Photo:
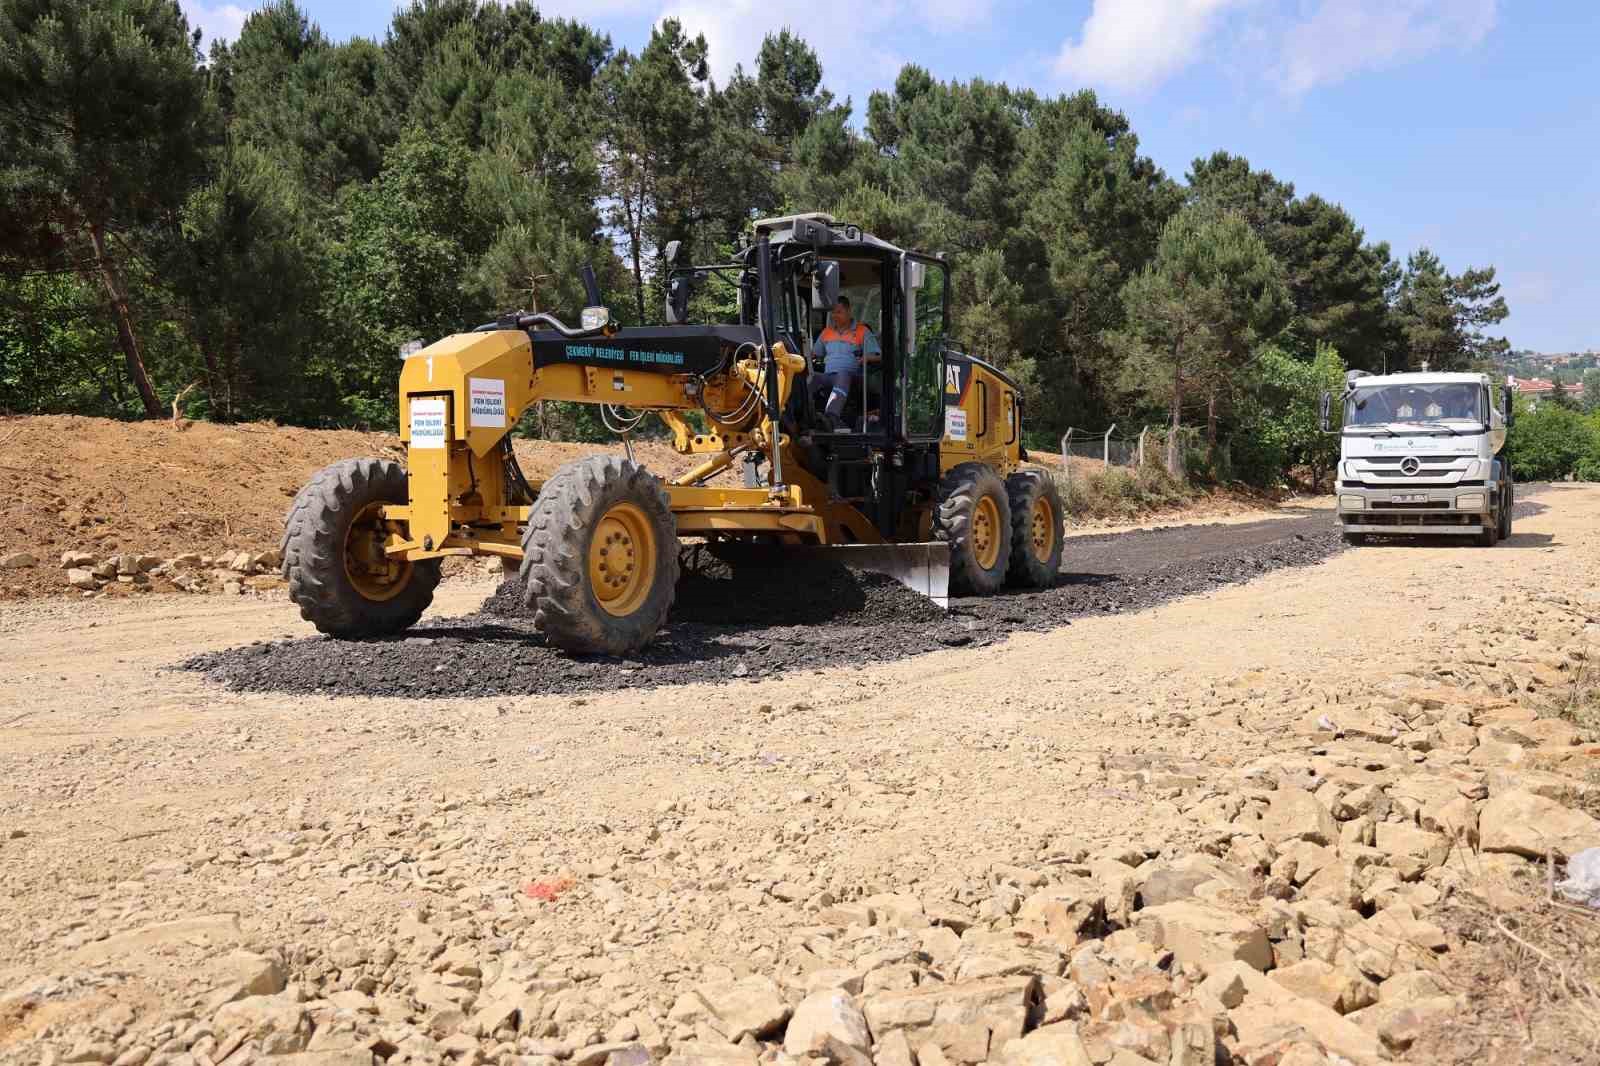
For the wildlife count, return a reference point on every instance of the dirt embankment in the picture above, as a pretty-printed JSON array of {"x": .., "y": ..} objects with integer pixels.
[
  {"x": 153, "y": 489},
  {"x": 150, "y": 488}
]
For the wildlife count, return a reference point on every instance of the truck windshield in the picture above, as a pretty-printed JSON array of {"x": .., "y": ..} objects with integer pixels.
[{"x": 1380, "y": 405}]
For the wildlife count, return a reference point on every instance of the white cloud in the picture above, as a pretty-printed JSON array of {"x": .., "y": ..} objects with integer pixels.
[
  {"x": 1345, "y": 37},
  {"x": 215, "y": 21},
  {"x": 854, "y": 40},
  {"x": 1135, "y": 45},
  {"x": 1130, "y": 45},
  {"x": 590, "y": 10}
]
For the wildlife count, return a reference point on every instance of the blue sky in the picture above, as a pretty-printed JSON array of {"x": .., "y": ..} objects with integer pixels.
[{"x": 1469, "y": 126}]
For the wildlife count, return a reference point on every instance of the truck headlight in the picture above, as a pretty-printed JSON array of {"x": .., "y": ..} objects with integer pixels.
[
  {"x": 1352, "y": 503},
  {"x": 1471, "y": 501},
  {"x": 1473, "y": 471}
]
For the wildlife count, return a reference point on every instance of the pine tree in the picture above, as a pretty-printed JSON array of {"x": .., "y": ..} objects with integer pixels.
[
  {"x": 105, "y": 138},
  {"x": 1441, "y": 317},
  {"x": 1196, "y": 312}
]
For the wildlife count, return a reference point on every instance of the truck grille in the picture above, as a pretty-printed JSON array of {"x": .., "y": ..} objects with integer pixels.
[
  {"x": 1396, "y": 460},
  {"x": 1417, "y": 521}
]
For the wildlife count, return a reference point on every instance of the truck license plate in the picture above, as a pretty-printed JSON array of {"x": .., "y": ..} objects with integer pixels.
[{"x": 1412, "y": 498}]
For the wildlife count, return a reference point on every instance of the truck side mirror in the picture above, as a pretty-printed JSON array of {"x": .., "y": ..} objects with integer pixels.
[
  {"x": 678, "y": 300},
  {"x": 1327, "y": 412},
  {"x": 1508, "y": 403},
  {"x": 825, "y": 285}
]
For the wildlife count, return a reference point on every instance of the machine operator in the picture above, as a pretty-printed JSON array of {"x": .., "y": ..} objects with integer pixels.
[{"x": 847, "y": 346}]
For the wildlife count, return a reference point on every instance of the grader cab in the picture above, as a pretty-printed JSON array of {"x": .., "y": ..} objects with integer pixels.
[{"x": 919, "y": 474}]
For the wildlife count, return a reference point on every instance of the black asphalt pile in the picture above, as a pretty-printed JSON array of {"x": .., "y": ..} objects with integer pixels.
[{"x": 746, "y": 622}]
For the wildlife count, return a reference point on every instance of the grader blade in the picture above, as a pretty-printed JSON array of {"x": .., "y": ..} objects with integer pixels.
[{"x": 922, "y": 567}]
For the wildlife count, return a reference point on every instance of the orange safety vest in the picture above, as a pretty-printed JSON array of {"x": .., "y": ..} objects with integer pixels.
[{"x": 855, "y": 338}]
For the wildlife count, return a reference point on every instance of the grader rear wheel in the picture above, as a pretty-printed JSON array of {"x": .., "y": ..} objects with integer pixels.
[
  {"x": 974, "y": 517},
  {"x": 1036, "y": 537},
  {"x": 600, "y": 557},
  {"x": 333, "y": 553}
]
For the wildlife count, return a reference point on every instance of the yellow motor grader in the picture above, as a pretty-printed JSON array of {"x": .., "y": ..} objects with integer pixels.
[{"x": 920, "y": 476}]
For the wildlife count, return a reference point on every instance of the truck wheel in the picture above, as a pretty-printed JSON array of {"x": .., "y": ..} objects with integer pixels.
[
  {"x": 1489, "y": 536},
  {"x": 1508, "y": 501},
  {"x": 600, "y": 557},
  {"x": 1036, "y": 517},
  {"x": 974, "y": 517},
  {"x": 333, "y": 557}
]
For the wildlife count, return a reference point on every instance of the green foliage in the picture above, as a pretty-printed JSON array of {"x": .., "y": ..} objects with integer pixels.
[
  {"x": 1340, "y": 285},
  {"x": 1195, "y": 314},
  {"x": 405, "y": 263},
  {"x": 1591, "y": 391},
  {"x": 102, "y": 137},
  {"x": 1553, "y": 442},
  {"x": 1442, "y": 316},
  {"x": 1281, "y": 427}
]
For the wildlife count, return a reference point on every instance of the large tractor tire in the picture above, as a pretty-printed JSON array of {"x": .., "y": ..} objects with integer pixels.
[
  {"x": 333, "y": 553},
  {"x": 1036, "y": 529},
  {"x": 600, "y": 557},
  {"x": 974, "y": 517}
]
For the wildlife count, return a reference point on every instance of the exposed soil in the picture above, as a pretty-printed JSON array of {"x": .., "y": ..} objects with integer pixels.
[
  {"x": 763, "y": 621},
  {"x": 101, "y": 486}
]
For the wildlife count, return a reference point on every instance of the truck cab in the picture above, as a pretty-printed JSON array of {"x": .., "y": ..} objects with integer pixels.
[{"x": 1420, "y": 453}]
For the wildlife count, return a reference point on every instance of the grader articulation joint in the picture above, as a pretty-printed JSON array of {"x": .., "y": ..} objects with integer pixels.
[{"x": 921, "y": 477}]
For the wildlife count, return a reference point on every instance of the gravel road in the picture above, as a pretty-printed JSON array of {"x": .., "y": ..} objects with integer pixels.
[
  {"x": 1112, "y": 823},
  {"x": 761, "y": 622}
]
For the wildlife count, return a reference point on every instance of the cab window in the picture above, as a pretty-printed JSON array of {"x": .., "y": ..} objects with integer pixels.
[{"x": 927, "y": 285}]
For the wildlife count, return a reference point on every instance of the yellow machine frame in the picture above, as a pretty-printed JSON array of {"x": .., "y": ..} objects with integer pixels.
[{"x": 460, "y": 501}]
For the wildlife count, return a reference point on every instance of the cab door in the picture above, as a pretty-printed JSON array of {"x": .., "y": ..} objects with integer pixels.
[{"x": 924, "y": 328}]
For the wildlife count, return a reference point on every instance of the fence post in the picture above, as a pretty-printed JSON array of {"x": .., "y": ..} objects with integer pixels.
[
  {"x": 1066, "y": 454},
  {"x": 1142, "y": 432},
  {"x": 1106, "y": 447}
]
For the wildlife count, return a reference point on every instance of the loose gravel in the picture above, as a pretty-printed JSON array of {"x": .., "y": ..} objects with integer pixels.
[{"x": 752, "y": 622}]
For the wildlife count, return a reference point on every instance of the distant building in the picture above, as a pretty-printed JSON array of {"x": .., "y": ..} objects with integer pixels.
[{"x": 1536, "y": 389}]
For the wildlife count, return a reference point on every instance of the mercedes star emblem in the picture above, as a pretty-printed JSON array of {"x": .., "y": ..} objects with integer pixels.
[{"x": 1410, "y": 465}]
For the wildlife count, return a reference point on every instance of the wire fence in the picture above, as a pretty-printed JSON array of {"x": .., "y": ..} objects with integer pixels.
[
  {"x": 1085, "y": 452},
  {"x": 1105, "y": 448}
]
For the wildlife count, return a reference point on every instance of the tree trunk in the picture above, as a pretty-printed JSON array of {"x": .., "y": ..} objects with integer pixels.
[
  {"x": 1211, "y": 423},
  {"x": 635, "y": 217},
  {"x": 1174, "y": 443},
  {"x": 125, "y": 336},
  {"x": 214, "y": 378}
]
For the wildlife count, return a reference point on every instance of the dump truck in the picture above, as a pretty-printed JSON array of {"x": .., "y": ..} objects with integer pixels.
[
  {"x": 921, "y": 475},
  {"x": 1419, "y": 453}
]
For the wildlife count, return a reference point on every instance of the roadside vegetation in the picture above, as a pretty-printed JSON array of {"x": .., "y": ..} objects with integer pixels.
[
  {"x": 474, "y": 157},
  {"x": 1556, "y": 441}
]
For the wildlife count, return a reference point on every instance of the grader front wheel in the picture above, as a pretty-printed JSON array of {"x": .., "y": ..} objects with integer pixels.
[
  {"x": 600, "y": 557},
  {"x": 974, "y": 517},
  {"x": 334, "y": 559}
]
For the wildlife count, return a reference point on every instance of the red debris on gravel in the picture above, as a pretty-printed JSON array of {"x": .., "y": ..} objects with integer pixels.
[{"x": 549, "y": 889}]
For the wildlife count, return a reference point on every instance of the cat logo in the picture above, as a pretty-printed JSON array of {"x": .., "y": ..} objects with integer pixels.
[{"x": 952, "y": 380}]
